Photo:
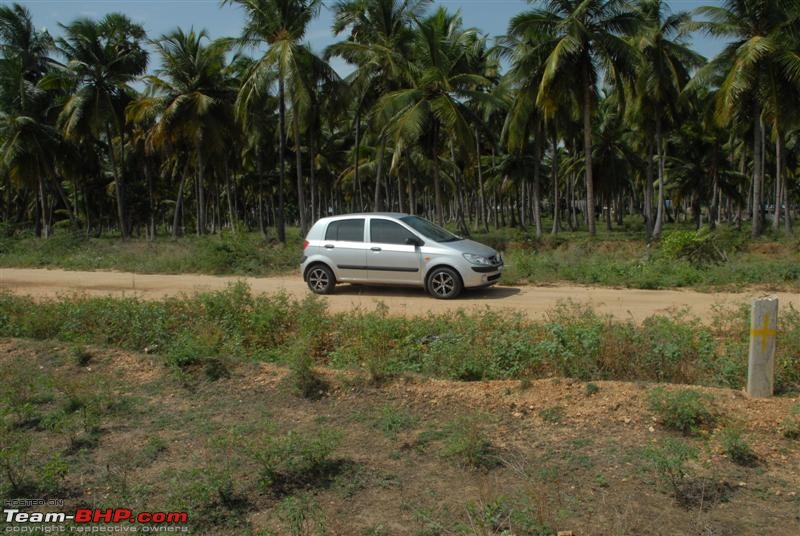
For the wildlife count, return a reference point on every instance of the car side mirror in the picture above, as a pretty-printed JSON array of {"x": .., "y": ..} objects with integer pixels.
[{"x": 413, "y": 241}]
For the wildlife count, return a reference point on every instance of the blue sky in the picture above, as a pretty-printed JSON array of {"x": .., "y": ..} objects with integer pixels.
[{"x": 161, "y": 16}]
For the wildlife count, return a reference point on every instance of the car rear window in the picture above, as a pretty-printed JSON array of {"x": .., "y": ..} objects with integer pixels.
[{"x": 346, "y": 230}]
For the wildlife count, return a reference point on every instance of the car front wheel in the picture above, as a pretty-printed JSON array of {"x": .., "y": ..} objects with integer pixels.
[
  {"x": 444, "y": 283},
  {"x": 320, "y": 279}
]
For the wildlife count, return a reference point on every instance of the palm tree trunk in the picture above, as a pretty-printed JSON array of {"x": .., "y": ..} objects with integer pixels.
[
  {"x": 179, "y": 201},
  {"x": 378, "y": 200},
  {"x": 412, "y": 204},
  {"x": 482, "y": 217},
  {"x": 758, "y": 175},
  {"x": 660, "y": 210},
  {"x": 43, "y": 212},
  {"x": 648, "y": 191},
  {"x": 462, "y": 227},
  {"x": 537, "y": 213},
  {"x": 312, "y": 179},
  {"x": 260, "y": 171},
  {"x": 787, "y": 220},
  {"x": 229, "y": 196},
  {"x": 554, "y": 173},
  {"x": 587, "y": 147},
  {"x": 118, "y": 186},
  {"x": 301, "y": 197},
  {"x": 201, "y": 197},
  {"x": 356, "y": 180},
  {"x": 437, "y": 186},
  {"x": 151, "y": 206},
  {"x": 779, "y": 179},
  {"x": 280, "y": 219}
]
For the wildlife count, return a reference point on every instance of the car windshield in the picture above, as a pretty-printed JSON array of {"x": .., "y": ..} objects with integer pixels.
[{"x": 429, "y": 230}]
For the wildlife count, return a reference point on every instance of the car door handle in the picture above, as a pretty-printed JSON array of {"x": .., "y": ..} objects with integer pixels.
[
  {"x": 376, "y": 249},
  {"x": 329, "y": 246}
]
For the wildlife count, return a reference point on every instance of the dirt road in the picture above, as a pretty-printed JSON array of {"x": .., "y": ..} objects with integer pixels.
[{"x": 533, "y": 300}]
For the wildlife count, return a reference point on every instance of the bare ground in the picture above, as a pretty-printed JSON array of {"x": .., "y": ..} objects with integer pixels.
[
  {"x": 533, "y": 300},
  {"x": 583, "y": 472}
]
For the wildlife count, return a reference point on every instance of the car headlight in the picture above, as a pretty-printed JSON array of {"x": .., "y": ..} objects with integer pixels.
[{"x": 477, "y": 259}]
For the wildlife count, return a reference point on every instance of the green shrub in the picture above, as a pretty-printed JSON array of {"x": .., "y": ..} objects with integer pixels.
[
  {"x": 52, "y": 475},
  {"x": 211, "y": 497},
  {"x": 737, "y": 448},
  {"x": 15, "y": 465},
  {"x": 295, "y": 459},
  {"x": 466, "y": 443},
  {"x": 305, "y": 380},
  {"x": 668, "y": 460},
  {"x": 684, "y": 410},
  {"x": 698, "y": 247},
  {"x": 592, "y": 389}
]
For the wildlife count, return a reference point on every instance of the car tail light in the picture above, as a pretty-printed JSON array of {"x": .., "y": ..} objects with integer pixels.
[{"x": 305, "y": 244}]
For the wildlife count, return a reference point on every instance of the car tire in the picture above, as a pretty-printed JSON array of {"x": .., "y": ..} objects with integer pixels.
[
  {"x": 444, "y": 283},
  {"x": 320, "y": 279}
]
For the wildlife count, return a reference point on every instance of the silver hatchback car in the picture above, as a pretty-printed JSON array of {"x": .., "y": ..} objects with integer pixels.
[{"x": 395, "y": 249}]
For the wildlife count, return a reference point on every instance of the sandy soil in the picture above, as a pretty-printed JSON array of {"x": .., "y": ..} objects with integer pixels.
[{"x": 533, "y": 300}]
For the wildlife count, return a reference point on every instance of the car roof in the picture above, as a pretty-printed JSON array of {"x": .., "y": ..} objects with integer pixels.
[{"x": 364, "y": 214}]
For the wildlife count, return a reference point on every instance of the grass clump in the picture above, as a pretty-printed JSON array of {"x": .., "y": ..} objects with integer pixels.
[
  {"x": 791, "y": 424},
  {"x": 392, "y": 420},
  {"x": 81, "y": 356},
  {"x": 737, "y": 448},
  {"x": 296, "y": 459},
  {"x": 591, "y": 389},
  {"x": 553, "y": 414},
  {"x": 684, "y": 410},
  {"x": 467, "y": 443},
  {"x": 669, "y": 460}
]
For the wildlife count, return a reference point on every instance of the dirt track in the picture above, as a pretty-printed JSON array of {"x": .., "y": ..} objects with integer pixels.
[{"x": 623, "y": 303}]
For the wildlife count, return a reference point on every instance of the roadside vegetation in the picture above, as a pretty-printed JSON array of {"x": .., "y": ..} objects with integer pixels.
[
  {"x": 208, "y": 332},
  {"x": 683, "y": 258}
]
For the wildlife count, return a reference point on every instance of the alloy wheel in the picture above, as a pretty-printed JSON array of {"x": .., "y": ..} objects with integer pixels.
[{"x": 318, "y": 279}]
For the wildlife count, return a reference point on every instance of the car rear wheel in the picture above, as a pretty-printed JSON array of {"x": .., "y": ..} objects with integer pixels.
[
  {"x": 320, "y": 279},
  {"x": 444, "y": 283}
]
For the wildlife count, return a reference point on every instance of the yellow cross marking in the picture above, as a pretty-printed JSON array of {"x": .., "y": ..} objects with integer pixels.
[{"x": 764, "y": 332}]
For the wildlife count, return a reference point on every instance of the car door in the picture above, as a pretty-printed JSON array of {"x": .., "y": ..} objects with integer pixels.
[
  {"x": 389, "y": 258},
  {"x": 344, "y": 244}
]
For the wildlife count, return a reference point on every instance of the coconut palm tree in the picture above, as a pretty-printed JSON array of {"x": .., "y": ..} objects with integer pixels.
[
  {"x": 666, "y": 62},
  {"x": 587, "y": 37},
  {"x": 759, "y": 58},
  {"x": 279, "y": 26},
  {"x": 103, "y": 58},
  {"x": 194, "y": 102},
  {"x": 433, "y": 102},
  {"x": 379, "y": 43}
]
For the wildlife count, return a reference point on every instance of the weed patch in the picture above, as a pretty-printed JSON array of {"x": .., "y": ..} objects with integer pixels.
[
  {"x": 684, "y": 410},
  {"x": 296, "y": 460}
]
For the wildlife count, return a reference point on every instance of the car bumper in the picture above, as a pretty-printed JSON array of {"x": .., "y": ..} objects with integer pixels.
[{"x": 482, "y": 276}]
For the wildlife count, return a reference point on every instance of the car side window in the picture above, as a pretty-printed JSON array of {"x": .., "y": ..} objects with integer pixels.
[
  {"x": 346, "y": 230},
  {"x": 388, "y": 232}
]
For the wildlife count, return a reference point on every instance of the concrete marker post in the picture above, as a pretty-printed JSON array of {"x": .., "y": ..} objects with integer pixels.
[{"x": 763, "y": 334}]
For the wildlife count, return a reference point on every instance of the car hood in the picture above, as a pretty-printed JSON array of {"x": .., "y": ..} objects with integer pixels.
[{"x": 470, "y": 246}]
